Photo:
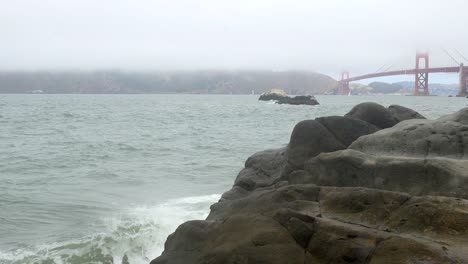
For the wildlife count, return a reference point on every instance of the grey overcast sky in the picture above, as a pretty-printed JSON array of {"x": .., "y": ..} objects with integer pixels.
[{"x": 319, "y": 35}]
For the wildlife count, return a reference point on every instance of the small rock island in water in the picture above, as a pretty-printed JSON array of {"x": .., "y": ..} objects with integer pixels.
[
  {"x": 281, "y": 97},
  {"x": 378, "y": 185}
]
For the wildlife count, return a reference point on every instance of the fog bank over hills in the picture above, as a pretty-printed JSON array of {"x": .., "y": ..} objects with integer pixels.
[
  {"x": 196, "y": 82},
  {"x": 208, "y": 82}
]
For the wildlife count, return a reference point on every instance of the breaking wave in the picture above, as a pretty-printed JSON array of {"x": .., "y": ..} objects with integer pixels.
[{"x": 137, "y": 236}]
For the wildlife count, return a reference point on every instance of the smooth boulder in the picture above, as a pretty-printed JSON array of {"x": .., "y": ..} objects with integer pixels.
[
  {"x": 402, "y": 113},
  {"x": 373, "y": 113},
  {"x": 308, "y": 139},
  {"x": 346, "y": 130}
]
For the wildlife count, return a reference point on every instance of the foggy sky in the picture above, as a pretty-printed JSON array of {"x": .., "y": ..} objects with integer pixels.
[{"x": 324, "y": 36}]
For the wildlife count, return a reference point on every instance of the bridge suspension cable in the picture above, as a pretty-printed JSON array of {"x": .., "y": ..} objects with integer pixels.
[
  {"x": 388, "y": 68},
  {"x": 461, "y": 55},
  {"x": 448, "y": 54},
  {"x": 381, "y": 67}
]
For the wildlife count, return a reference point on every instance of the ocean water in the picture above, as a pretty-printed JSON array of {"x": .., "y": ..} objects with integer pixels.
[{"x": 102, "y": 178}]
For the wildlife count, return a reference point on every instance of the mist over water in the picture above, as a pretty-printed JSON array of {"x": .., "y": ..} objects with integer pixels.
[{"x": 88, "y": 178}]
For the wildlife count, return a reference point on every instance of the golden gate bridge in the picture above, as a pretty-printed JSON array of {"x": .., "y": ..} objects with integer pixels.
[{"x": 421, "y": 73}]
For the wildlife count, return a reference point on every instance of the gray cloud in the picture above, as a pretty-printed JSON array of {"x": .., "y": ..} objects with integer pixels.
[{"x": 320, "y": 35}]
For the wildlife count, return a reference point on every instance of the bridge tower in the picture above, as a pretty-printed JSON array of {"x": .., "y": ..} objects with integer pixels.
[
  {"x": 463, "y": 85},
  {"x": 421, "y": 86},
  {"x": 344, "y": 84}
]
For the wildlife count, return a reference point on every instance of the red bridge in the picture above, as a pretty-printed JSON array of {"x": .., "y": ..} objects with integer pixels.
[{"x": 421, "y": 73}]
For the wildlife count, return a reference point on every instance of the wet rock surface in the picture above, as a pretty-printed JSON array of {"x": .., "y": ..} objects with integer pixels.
[{"x": 344, "y": 190}]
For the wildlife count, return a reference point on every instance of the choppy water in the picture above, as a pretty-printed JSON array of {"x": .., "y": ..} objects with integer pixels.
[{"x": 91, "y": 178}]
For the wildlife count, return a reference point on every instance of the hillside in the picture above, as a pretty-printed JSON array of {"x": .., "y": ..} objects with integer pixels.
[
  {"x": 382, "y": 87},
  {"x": 401, "y": 88},
  {"x": 215, "y": 82},
  {"x": 434, "y": 88}
]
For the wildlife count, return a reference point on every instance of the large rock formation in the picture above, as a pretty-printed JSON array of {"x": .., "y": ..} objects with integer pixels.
[{"x": 344, "y": 190}]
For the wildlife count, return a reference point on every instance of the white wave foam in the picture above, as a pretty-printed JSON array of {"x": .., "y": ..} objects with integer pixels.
[{"x": 138, "y": 233}]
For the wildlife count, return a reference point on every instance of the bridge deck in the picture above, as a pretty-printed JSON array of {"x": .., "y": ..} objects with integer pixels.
[{"x": 403, "y": 72}]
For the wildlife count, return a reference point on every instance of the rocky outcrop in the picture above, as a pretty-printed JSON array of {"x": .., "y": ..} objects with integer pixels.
[
  {"x": 280, "y": 97},
  {"x": 343, "y": 191},
  {"x": 273, "y": 95},
  {"x": 298, "y": 100}
]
